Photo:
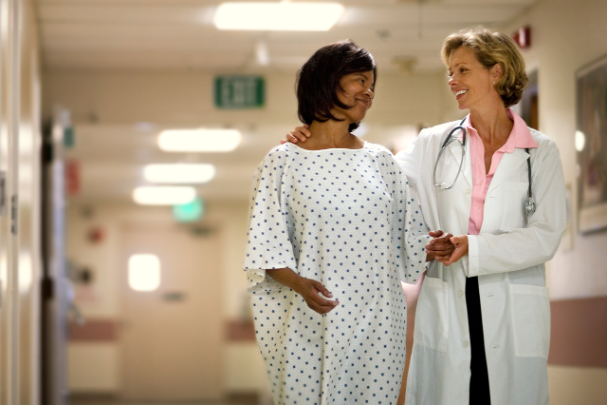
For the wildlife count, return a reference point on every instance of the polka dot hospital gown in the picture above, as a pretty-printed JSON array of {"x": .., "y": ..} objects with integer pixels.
[{"x": 347, "y": 218}]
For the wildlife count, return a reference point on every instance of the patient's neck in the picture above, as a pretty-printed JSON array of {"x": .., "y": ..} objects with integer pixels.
[{"x": 331, "y": 134}]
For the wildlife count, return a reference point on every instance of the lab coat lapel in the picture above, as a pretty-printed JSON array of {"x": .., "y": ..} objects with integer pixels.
[
  {"x": 509, "y": 164},
  {"x": 458, "y": 199},
  {"x": 455, "y": 148}
]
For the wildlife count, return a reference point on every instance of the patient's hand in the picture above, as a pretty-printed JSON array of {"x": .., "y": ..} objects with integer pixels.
[{"x": 440, "y": 246}]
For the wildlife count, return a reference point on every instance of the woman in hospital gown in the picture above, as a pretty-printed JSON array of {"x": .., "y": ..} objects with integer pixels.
[{"x": 340, "y": 221}]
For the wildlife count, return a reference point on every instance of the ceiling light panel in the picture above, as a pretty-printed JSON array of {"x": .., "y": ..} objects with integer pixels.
[
  {"x": 163, "y": 195},
  {"x": 181, "y": 173},
  {"x": 199, "y": 140},
  {"x": 283, "y": 16}
]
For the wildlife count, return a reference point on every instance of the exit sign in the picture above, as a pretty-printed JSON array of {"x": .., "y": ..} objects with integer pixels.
[{"x": 239, "y": 92}]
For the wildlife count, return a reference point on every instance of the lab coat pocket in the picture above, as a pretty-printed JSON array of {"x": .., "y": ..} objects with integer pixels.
[
  {"x": 530, "y": 307},
  {"x": 431, "y": 325},
  {"x": 513, "y": 205}
]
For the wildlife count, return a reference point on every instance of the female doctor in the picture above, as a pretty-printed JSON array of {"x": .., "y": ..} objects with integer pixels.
[{"x": 483, "y": 322}]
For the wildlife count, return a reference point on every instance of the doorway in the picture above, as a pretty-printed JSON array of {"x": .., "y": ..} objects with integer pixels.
[
  {"x": 529, "y": 102},
  {"x": 172, "y": 335}
]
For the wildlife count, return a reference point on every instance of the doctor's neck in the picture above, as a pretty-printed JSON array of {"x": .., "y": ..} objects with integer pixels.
[{"x": 491, "y": 122}]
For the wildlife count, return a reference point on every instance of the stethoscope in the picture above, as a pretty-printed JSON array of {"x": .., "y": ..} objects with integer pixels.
[{"x": 529, "y": 203}]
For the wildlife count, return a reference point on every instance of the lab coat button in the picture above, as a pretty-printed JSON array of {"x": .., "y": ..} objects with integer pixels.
[
  {"x": 460, "y": 293},
  {"x": 466, "y": 344},
  {"x": 468, "y": 191}
]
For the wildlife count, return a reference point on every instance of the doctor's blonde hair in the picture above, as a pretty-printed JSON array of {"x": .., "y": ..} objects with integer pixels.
[{"x": 491, "y": 48}]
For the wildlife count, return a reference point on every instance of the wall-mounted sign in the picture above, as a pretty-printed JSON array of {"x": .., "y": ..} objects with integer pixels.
[
  {"x": 239, "y": 92},
  {"x": 190, "y": 212},
  {"x": 69, "y": 137}
]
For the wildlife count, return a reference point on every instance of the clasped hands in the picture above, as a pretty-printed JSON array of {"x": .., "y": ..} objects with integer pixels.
[{"x": 446, "y": 248}]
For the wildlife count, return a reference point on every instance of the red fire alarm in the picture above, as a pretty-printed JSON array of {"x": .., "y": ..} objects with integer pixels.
[
  {"x": 95, "y": 234},
  {"x": 522, "y": 37}
]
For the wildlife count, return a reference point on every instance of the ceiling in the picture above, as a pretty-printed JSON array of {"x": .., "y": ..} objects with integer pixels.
[{"x": 178, "y": 35}]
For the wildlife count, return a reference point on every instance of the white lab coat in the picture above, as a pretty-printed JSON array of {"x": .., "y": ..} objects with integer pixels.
[{"x": 508, "y": 256}]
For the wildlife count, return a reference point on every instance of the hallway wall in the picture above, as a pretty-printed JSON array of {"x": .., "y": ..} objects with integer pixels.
[
  {"x": 186, "y": 98},
  {"x": 567, "y": 35}
]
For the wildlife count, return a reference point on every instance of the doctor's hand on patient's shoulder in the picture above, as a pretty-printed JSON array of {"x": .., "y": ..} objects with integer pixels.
[
  {"x": 310, "y": 290},
  {"x": 299, "y": 134},
  {"x": 440, "y": 246},
  {"x": 461, "y": 250}
]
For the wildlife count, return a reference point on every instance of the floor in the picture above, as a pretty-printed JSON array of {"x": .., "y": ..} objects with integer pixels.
[
  {"x": 107, "y": 400},
  {"x": 118, "y": 402}
]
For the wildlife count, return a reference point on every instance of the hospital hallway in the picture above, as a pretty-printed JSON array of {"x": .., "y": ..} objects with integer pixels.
[{"x": 130, "y": 134}]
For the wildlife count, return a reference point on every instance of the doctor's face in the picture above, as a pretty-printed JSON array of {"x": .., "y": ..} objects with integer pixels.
[{"x": 470, "y": 82}]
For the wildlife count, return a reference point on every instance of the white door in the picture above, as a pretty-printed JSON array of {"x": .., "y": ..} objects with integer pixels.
[{"x": 172, "y": 337}]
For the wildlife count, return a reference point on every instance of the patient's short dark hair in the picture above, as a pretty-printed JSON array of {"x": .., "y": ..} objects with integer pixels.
[{"x": 318, "y": 79}]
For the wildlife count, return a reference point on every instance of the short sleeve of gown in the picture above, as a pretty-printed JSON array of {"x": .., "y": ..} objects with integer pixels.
[
  {"x": 410, "y": 233},
  {"x": 268, "y": 245}
]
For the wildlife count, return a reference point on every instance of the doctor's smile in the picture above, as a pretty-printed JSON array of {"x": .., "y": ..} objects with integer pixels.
[{"x": 459, "y": 93}]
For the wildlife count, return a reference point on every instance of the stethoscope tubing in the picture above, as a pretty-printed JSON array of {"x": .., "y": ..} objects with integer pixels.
[
  {"x": 446, "y": 143},
  {"x": 529, "y": 204}
]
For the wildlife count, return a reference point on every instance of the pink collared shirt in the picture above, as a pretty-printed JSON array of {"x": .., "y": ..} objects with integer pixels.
[{"x": 520, "y": 137}]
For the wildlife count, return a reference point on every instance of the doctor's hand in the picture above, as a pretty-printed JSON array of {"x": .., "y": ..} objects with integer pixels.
[
  {"x": 461, "y": 250},
  {"x": 440, "y": 247},
  {"x": 299, "y": 134}
]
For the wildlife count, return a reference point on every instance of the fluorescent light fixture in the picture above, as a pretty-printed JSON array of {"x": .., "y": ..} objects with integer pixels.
[
  {"x": 199, "y": 140},
  {"x": 580, "y": 141},
  {"x": 283, "y": 16},
  {"x": 261, "y": 51},
  {"x": 144, "y": 272},
  {"x": 180, "y": 173},
  {"x": 163, "y": 195}
]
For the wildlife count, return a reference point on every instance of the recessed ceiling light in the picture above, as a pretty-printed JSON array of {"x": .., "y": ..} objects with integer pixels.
[
  {"x": 163, "y": 195},
  {"x": 199, "y": 140},
  {"x": 283, "y": 16},
  {"x": 180, "y": 173}
]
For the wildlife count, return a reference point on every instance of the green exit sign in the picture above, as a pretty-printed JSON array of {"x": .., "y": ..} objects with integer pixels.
[{"x": 239, "y": 92}]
